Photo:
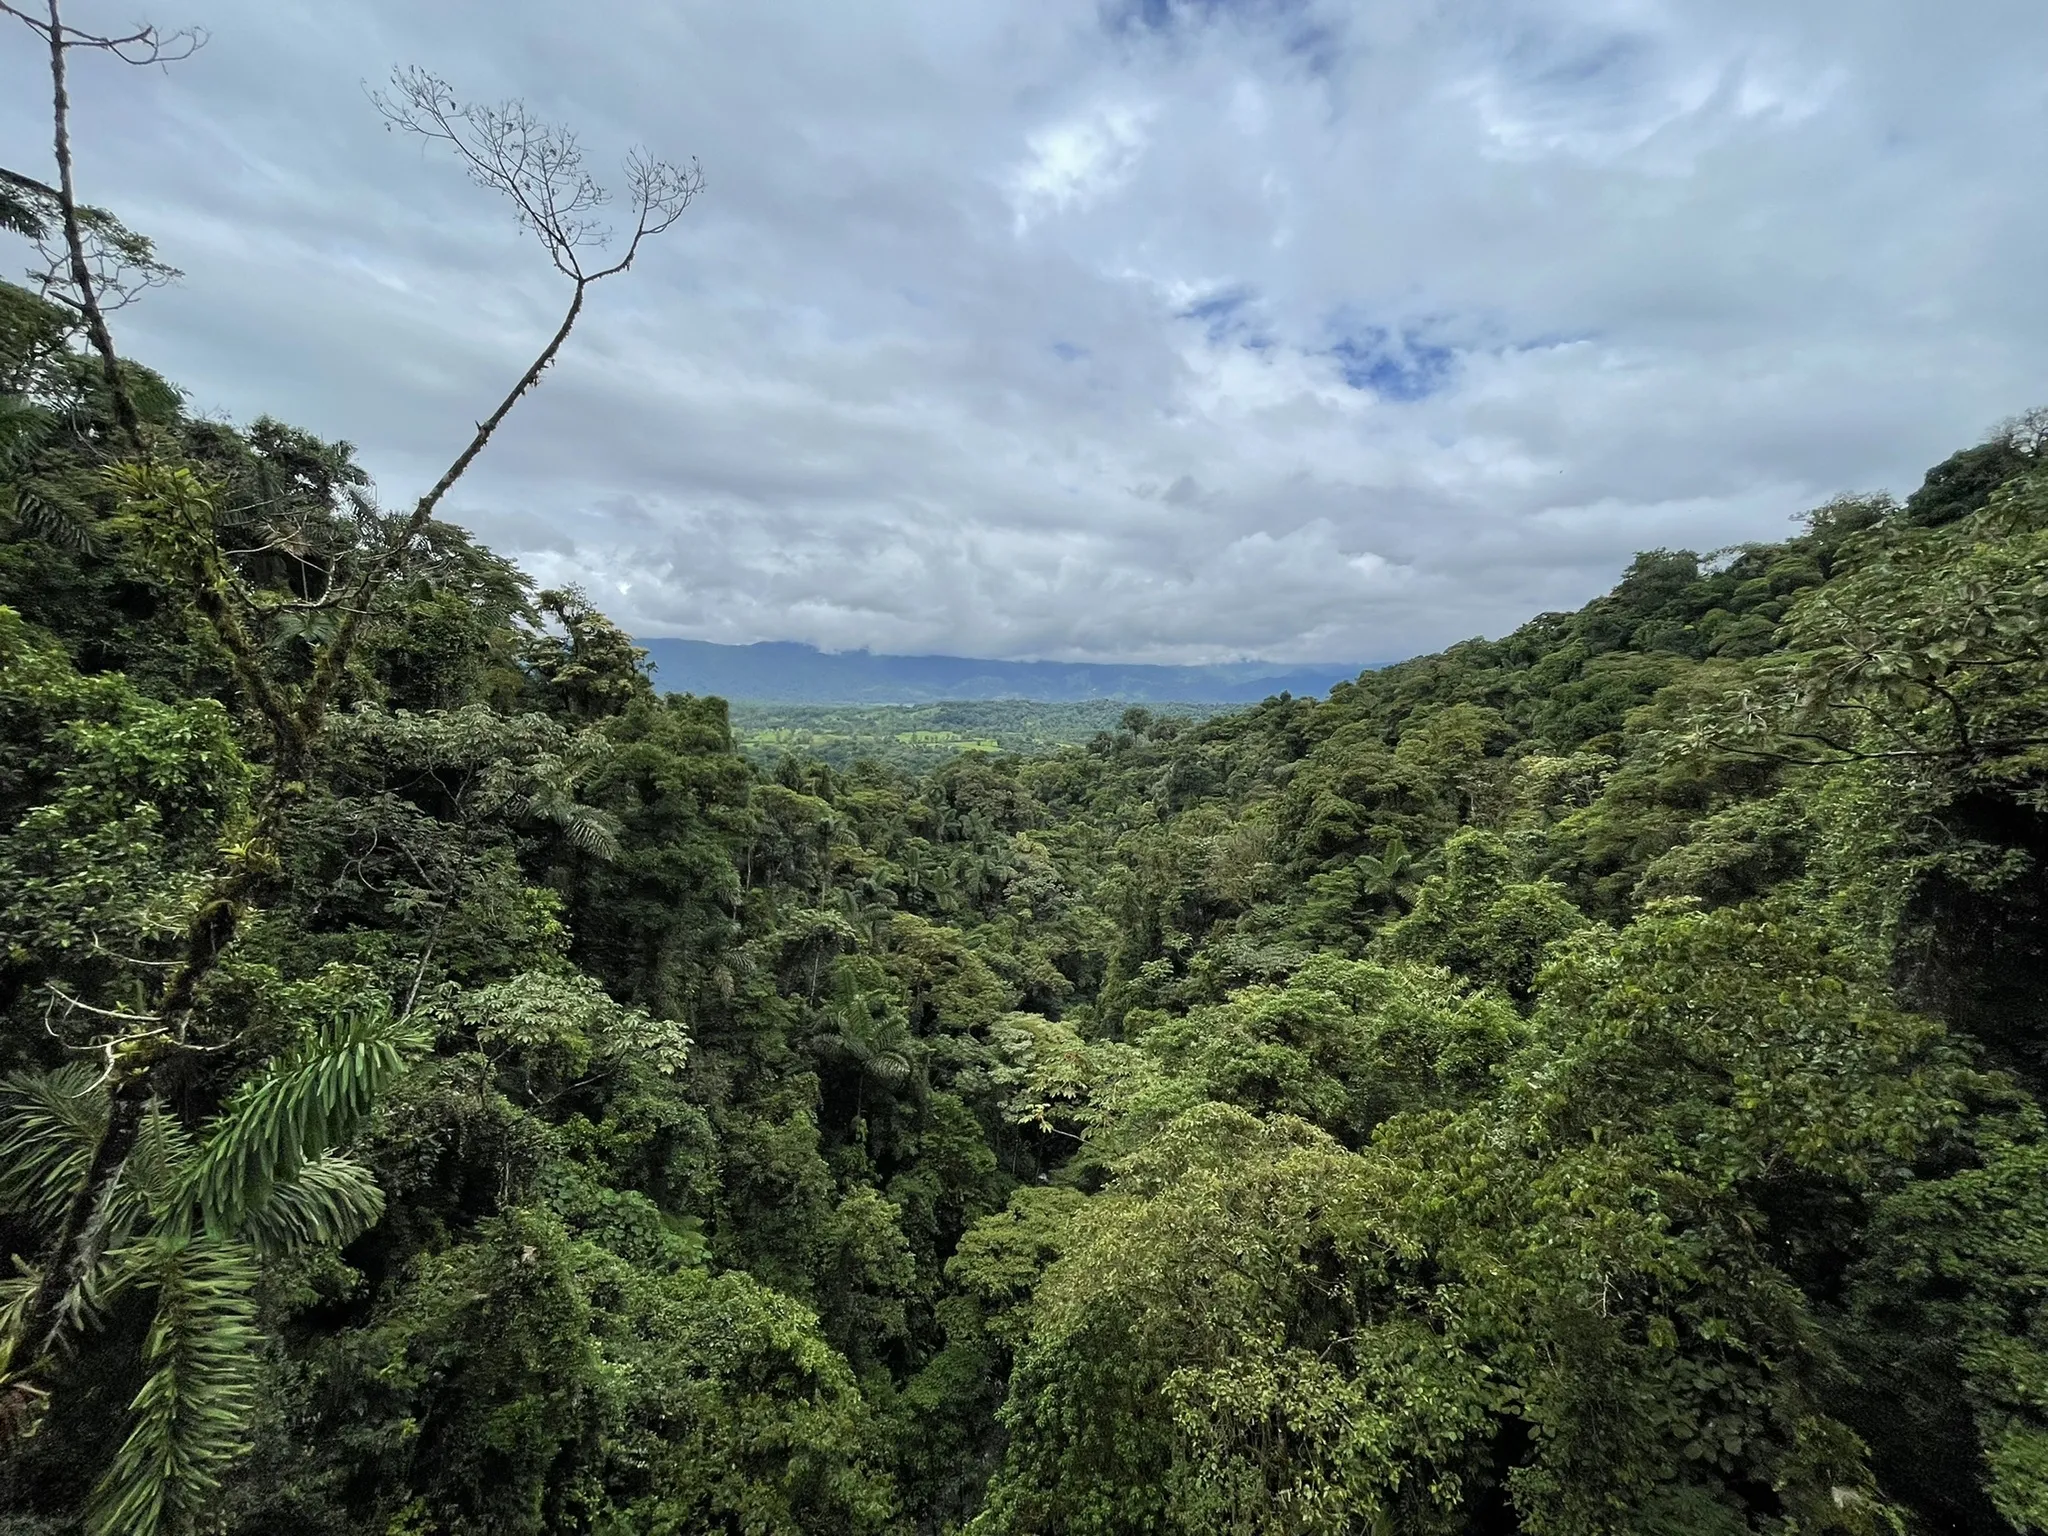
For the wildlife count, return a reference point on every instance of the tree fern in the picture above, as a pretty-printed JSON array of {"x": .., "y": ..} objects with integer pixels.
[
  {"x": 47, "y": 518},
  {"x": 189, "y": 1415}
]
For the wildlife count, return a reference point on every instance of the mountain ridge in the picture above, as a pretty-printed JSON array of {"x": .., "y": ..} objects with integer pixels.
[{"x": 789, "y": 672}]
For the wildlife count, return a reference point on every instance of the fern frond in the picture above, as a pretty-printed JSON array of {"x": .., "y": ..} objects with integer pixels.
[
  {"x": 40, "y": 517},
  {"x": 331, "y": 1199},
  {"x": 592, "y": 831},
  {"x": 310, "y": 1102},
  {"x": 189, "y": 1415},
  {"x": 50, "y": 1126}
]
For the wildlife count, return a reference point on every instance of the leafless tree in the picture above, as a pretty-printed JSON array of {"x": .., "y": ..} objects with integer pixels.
[
  {"x": 2026, "y": 432},
  {"x": 539, "y": 168},
  {"x": 505, "y": 148}
]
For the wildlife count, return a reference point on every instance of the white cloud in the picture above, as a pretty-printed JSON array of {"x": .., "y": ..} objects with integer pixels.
[
  {"x": 1312, "y": 331},
  {"x": 1076, "y": 163}
]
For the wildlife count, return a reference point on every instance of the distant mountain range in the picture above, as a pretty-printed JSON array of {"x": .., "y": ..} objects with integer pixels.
[{"x": 781, "y": 672}]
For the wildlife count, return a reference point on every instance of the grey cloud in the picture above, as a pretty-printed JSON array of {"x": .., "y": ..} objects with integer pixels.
[{"x": 1147, "y": 331}]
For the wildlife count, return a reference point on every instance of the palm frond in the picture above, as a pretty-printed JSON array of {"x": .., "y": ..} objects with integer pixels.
[
  {"x": 148, "y": 1185},
  {"x": 331, "y": 1199},
  {"x": 50, "y": 1126},
  {"x": 23, "y": 211},
  {"x": 310, "y": 1102},
  {"x": 190, "y": 1413},
  {"x": 24, "y": 427},
  {"x": 141, "y": 1193},
  {"x": 16, "y": 1292}
]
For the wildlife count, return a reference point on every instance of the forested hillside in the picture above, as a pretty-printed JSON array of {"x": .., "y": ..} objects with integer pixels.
[
  {"x": 1585, "y": 1082},
  {"x": 1581, "y": 1082},
  {"x": 920, "y": 737}
]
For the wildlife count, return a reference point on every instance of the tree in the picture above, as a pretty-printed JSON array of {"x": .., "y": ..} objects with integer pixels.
[
  {"x": 353, "y": 569},
  {"x": 1561, "y": 1297},
  {"x": 1481, "y": 922},
  {"x": 98, "y": 258}
]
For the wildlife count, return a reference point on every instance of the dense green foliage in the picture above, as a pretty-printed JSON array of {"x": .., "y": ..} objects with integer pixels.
[
  {"x": 917, "y": 738},
  {"x": 1582, "y": 1082}
]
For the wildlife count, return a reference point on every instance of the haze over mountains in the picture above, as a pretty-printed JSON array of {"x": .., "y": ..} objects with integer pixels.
[{"x": 782, "y": 672}]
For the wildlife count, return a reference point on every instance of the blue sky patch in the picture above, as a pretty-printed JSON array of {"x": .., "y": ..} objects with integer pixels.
[
  {"x": 1314, "y": 42},
  {"x": 1165, "y": 15},
  {"x": 1229, "y": 315},
  {"x": 1394, "y": 365}
]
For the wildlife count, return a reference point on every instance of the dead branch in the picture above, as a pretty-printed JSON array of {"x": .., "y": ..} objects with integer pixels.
[
  {"x": 96, "y": 251},
  {"x": 538, "y": 168},
  {"x": 145, "y": 45}
]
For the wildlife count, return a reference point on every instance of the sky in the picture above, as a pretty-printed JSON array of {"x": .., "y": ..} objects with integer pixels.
[{"x": 1114, "y": 330}]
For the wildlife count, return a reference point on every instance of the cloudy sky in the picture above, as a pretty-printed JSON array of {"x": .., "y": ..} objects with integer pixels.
[{"x": 1163, "y": 330}]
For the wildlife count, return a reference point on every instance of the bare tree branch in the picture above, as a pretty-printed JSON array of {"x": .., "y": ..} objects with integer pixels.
[
  {"x": 124, "y": 264},
  {"x": 145, "y": 45},
  {"x": 97, "y": 251},
  {"x": 539, "y": 169}
]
